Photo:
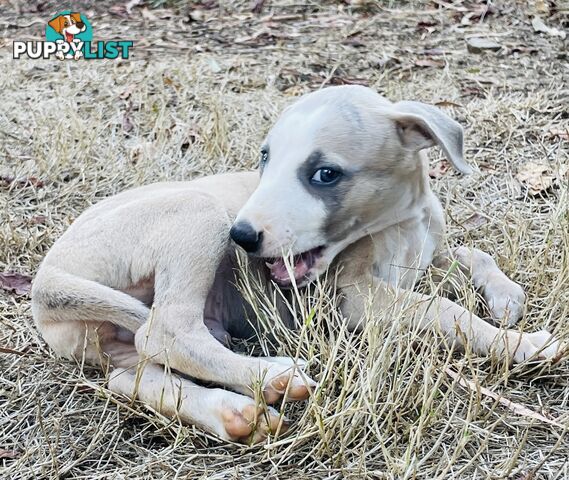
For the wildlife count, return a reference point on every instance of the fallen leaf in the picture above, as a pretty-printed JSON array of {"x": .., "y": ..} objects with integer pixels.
[
  {"x": 472, "y": 91},
  {"x": 340, "y": 80},
  {"x": 479, "y": 45},
  {"x": 540, "y": 27},
  {"x": 18, "y": 283},
  {"x": 536, "y": 177},
  {"x": 38, "y": 219},
  {"x": 22, "y": 182},
  {"x": 34, "y": 182},
  {"x": 11, "y": 454},
  {"x": 427, "y": 62},
  {"x": 474, "y": 221},
  {"x": 448, "y": 103}
]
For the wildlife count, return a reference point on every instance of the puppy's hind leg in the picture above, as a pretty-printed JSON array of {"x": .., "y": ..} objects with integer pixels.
[
  {"x": 228, "y": 415},
  {"x": 76, "y": 316},
  {"x": 504, "y": 297}
]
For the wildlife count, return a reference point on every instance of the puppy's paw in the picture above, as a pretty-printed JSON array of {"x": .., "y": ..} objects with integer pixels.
[
  {"x": 286, "y": 381},
  {"x": 505, "y": 299},
  {"x": 534, "y": 346},
  {"x": 250, "y": 423}
]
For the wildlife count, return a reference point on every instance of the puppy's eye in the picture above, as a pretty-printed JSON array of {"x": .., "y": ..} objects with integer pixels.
[
  {"x": 325, "y": 176},
  {"x": 264, "y": 157}
]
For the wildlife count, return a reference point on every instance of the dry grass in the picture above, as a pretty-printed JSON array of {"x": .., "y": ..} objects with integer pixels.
[{"x": 192, "y": 101}]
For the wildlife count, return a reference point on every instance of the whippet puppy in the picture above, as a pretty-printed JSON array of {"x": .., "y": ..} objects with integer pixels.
[{"x": 148, "y": 275}]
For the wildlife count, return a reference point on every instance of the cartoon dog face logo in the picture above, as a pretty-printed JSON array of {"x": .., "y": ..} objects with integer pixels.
[{"x": 68, "y": 25}]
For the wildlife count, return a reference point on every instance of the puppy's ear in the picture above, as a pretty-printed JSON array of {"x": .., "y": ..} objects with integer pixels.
[
  {"x": 422, "y": 126},
  {"x": 57, "y": 23},
  {"x": 76, "y": 17}
]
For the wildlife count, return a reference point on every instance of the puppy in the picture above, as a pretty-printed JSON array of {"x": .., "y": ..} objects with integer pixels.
[{"x": 146, "y": 277}]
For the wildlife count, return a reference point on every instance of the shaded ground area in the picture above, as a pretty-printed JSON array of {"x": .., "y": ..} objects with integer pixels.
[{"x": 203, "y": 85}]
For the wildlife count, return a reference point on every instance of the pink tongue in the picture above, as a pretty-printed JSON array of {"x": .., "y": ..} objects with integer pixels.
[{"x": 280, "y": 273}]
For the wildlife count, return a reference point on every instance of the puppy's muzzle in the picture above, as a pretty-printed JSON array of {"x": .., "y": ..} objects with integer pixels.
[{"x": 244, "y": 235}]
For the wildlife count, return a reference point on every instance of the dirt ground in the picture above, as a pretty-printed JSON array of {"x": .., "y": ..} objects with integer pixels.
[{"x": 201, "y": 89}]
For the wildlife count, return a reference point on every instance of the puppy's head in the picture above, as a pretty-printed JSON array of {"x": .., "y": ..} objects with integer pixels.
[
  {"x": 338, "y": 164},
  {"x": 68, "y": 25}
]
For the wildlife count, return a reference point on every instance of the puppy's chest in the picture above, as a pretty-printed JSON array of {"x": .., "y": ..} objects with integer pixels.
[
  {"x": 226, "y": 306},
  {"x": 401, "y": 254}
]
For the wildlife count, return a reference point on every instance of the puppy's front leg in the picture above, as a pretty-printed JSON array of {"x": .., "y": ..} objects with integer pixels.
[
  {"x": 504, "y": 297},
  {"x": 458, "y": 324},
  {"x": 176, "y": 335}
]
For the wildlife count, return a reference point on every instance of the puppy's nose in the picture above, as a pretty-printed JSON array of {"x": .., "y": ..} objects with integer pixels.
[
  {"x": 244, "y": 235},
  {"x": 80, "y": 25}
]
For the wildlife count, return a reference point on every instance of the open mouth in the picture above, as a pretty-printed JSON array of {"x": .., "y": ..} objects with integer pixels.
[
  {"x": 68, "y": 37},
  {"x": 301, "y": 265}
]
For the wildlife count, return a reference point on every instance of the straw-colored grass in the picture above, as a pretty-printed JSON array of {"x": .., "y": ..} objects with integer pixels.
[{"x": 197, "y": 98}]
